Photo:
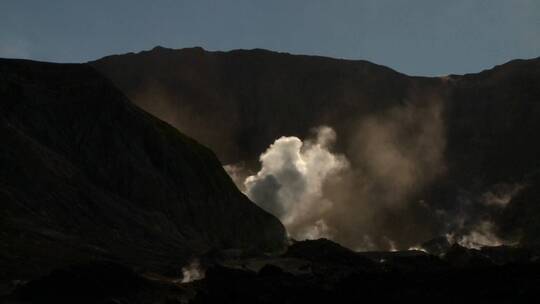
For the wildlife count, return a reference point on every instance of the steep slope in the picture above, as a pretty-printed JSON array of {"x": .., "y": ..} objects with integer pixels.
[{"x": 86, "y": 175}]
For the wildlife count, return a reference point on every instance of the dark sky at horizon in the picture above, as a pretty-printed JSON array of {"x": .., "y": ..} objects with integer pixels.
[{"x": 417, "y": 37}]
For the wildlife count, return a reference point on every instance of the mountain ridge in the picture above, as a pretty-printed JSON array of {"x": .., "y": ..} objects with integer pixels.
[{"x": 239, "y": 102}]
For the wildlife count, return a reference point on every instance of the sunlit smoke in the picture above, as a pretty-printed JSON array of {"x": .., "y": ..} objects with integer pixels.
[
  {"x": 394, "y": 156},
  {"x": 290, "y": 182},
  {"x": 363, "y": 202},
  {"x": 373, "y": 199}
]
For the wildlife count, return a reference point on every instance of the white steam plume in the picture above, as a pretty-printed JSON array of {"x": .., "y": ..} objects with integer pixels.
[
  {"x": 366, "y": 202},
  {"x": 372, "y": 200},
  {"x": 290, "y": 182}
]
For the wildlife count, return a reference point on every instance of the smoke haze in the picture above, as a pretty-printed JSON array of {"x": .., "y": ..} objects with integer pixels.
[
  {"x": 366, "y": 202},
  {"x": 395, "y": 155},
  {"x": 482, "y": 234},
  {"x": 290, "y": 182}
]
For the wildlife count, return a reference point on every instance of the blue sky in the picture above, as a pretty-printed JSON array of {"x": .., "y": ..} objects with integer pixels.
[{"x": 418, "y": 37}]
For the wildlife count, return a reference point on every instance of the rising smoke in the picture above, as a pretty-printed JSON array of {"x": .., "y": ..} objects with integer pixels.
[
  {"x": 395, "y": 155},
  {"x": 290, "y": 183},
  {"x": 374, "y": 199},
  {"x": 365, "y": 202}
]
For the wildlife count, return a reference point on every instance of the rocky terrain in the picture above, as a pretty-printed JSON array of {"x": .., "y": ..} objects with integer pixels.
[
  {"x": 87, "y": 176},
  {"x": 309, "y": 271}
]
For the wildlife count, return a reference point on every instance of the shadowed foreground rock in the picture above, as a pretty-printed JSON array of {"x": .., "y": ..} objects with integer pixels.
[
  {"x": 87, "y": 176},
  {"x": 335, "y": 276},
  {"x": 359, "y": 277}
]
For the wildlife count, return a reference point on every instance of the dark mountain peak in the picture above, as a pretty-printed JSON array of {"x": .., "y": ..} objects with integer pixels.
[
  {"x": 258, "y": 53},
  {"x": 506, "y": 70},
  {"x": 160, "y": 50}
]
